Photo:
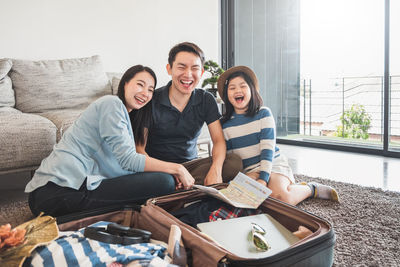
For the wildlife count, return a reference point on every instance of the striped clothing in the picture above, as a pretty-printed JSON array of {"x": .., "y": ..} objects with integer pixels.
[
  {"x": 73, "y": 249},
  {"x": 254, "y": 140}
]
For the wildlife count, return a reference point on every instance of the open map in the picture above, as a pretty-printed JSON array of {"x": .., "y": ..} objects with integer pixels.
[{"x": 242, "y": 192}]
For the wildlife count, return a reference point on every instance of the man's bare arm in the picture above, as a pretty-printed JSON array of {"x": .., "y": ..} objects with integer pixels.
[{"x": 214, "y": 175}]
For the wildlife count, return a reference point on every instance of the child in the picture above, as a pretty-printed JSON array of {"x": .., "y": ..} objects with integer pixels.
[{"x": 249, "y": 131}]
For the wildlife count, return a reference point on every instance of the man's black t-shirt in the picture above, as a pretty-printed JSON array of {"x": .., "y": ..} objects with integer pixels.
[{"x": 173, "y": 134}]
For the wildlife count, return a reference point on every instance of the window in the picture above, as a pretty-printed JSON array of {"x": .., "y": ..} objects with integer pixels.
[
  {"x": 394, "y": 78},
  {"x": 321, "y": 68}
]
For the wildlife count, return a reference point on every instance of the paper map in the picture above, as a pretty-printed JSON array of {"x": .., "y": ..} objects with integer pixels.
[{"x": 242, "y": 192}]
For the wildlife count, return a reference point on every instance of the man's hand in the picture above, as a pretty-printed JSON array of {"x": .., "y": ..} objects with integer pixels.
[{"x": 213, "y": 176}]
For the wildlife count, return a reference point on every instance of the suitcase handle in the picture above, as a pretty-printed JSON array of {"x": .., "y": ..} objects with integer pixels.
[{"x": 117, "y": 234}]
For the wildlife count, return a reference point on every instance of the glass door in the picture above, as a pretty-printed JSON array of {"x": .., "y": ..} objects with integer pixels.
[
  {"x": 321, "y": 68},
  {"x": 394, "y": 78}
]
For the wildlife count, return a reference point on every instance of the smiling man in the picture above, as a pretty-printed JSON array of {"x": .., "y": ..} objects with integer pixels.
[{"x": 180, "y": 111}]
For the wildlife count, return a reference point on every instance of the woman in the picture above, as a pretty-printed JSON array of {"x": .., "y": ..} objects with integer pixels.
[{"x": 95, "y": 164}]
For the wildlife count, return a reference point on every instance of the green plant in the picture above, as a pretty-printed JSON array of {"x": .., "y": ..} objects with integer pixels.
[
  {"x": 215, "y": 70},
  {"x": 355, "y": 123}
]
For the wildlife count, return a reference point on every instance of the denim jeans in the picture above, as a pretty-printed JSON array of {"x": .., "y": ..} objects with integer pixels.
[{"x": 136, "y": 188}]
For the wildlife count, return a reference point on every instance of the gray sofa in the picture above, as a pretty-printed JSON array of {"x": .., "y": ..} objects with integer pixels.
[{"x": 39, "y": 100}]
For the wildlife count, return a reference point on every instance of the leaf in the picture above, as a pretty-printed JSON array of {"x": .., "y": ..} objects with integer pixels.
[
  {"x": 355, "y": 123},
  {"x": 215, "y": 70}
]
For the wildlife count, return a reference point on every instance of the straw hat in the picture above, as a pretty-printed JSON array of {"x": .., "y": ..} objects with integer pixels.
[
  {"x": 39, "y": 231},
  {"x": 224, "y": 76}
]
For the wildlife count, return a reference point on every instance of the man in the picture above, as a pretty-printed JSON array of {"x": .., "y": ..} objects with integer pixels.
[{"x": 179, "y": 112}]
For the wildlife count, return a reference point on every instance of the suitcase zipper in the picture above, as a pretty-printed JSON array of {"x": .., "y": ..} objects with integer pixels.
[{"x": 178, "y": 196}]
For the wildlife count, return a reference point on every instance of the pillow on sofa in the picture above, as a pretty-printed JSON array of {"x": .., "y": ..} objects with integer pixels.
[
  {"x": 58, "y": 84},
  {"x": 115, "y": 84},
  {"x": 7, "y": 98}
]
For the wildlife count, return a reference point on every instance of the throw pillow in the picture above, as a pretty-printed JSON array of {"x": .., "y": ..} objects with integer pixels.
[
  {"x": 47, "y": 85},
  {"x": 7, "y": 98},
  {"x": 115, "y": 84}
]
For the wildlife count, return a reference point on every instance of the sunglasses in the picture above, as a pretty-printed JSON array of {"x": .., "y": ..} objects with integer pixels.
[{"x": 258, "y": 238}]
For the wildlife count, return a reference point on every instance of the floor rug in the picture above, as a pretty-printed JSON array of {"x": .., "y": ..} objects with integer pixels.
[{"x": 366, "y": 222}]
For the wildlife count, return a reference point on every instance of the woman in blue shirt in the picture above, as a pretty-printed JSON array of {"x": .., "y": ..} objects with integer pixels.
[{"x": 95, "y": 164}]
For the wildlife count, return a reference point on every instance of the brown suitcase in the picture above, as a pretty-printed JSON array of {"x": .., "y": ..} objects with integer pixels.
[
  {"x": 154, "y": 216},
  {"x": 314, "y": 250}
]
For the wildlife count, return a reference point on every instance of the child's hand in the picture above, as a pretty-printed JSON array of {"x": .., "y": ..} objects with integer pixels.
[
  {"x": 261, "y": 181},
  {"x": 253, "y": 175}
]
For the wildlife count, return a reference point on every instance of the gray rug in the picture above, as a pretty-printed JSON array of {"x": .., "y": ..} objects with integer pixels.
[{"x": 366, "y": 223}]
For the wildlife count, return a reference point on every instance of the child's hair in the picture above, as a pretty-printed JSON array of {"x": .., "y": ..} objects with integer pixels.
[
  {"x": 185, "y": 47},
  {"x": 255, "y": 102},
  {"x": 140, "y": 118}
]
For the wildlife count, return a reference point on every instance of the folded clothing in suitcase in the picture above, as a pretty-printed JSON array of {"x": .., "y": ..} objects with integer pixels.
[
  {"x": 237, "y": 236},
  {"x": 76, "y": 248},
  {"x": 314, "y": 250},
  {"x": 115, "y": 227}
]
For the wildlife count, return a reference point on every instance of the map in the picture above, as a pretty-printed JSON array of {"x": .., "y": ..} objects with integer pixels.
[{"x": 242, "y": 192}]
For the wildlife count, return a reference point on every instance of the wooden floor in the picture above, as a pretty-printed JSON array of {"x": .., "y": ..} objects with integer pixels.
[{"x": 367, "y": 170}]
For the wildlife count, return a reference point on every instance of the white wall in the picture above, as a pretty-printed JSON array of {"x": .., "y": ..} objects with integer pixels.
[{"x": 122, "y": 32}]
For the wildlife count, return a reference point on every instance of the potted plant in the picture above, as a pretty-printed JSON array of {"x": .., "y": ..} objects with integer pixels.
[{"x": 215, "y": 70}]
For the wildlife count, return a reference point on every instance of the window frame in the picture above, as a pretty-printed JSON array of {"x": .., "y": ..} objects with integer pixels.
[{"x": 227, "y": 59}]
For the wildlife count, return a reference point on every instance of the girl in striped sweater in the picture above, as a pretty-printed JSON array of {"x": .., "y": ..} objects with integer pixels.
[{"x": 249, "y": 130}]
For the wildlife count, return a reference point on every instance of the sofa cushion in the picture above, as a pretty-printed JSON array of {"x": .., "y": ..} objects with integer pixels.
[
  {"x": 25, "y": 138},
  {"x": 115, "y": 84},
  {"x": 8, "y": 110},
  {"x": 62, "y": 119},
  {"x": 7, "y": 98},
  {"x": 48, "y": 85}
]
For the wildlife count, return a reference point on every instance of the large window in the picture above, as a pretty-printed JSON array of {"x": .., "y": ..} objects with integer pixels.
[
  {"x": 321, "y": 66},
  {"x": 394, "y": 82}
]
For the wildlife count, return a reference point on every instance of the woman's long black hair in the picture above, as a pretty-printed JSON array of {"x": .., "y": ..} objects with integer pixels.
[
  {"x": 140, "y": 118},
  {"x": 255, "y": 101}
]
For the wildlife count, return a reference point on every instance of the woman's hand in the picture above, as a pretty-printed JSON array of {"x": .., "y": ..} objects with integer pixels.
[{"x": 184, "y": 179}]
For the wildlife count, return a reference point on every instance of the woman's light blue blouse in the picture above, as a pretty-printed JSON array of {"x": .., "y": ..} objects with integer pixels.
[{"x": 99, "y": 145}]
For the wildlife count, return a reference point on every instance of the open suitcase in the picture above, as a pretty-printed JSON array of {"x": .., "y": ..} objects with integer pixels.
[{"x": 314, "y": 250}]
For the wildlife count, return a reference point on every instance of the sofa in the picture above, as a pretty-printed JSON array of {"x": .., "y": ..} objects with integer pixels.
[{"x": 39, "y": 100}]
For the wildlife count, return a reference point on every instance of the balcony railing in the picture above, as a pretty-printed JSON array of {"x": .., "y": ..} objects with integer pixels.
[{"x": 323, "y": 102}]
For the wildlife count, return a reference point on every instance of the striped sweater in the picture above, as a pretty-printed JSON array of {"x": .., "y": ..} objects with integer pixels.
[{"x": 254, "y": 140}]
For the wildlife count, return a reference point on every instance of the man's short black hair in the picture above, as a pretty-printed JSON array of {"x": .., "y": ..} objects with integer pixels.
[{"x": 185, "y": 47}]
